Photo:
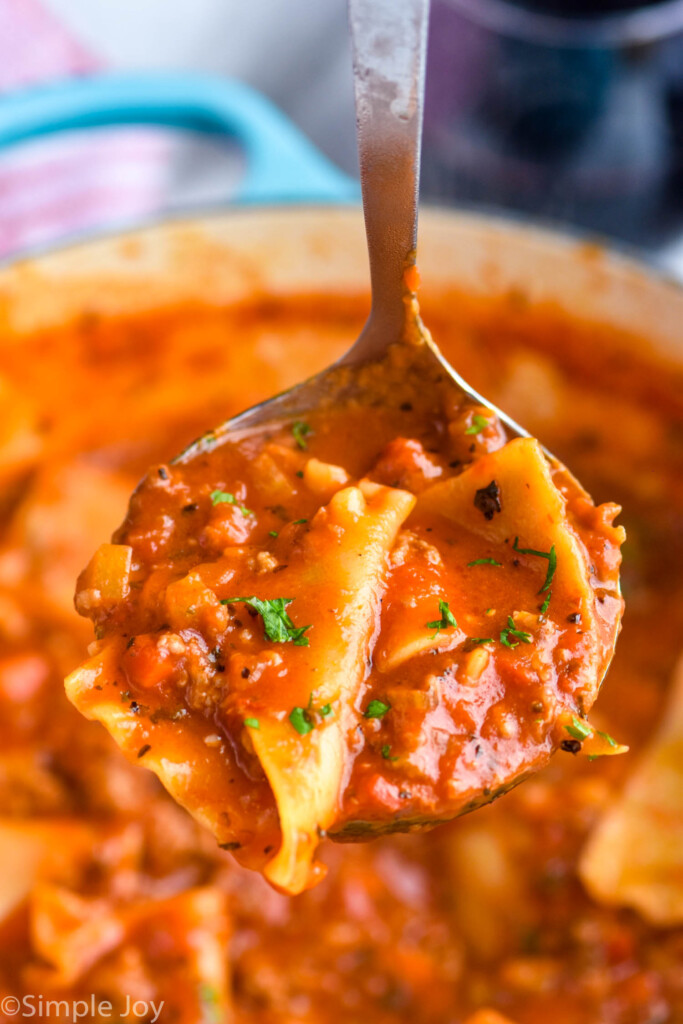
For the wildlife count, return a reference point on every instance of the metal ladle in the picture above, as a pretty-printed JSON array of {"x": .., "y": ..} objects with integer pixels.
[{"x": 389, "y": 50}]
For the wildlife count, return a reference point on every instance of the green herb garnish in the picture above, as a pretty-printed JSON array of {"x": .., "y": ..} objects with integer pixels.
[
  {"x": 272, "y": 533},
  {"x": 511, "y": 636},
  {"x": 483, "y": 561},
  {"x": 301, "y": 720},
  {"x": 386, "y": 753},
  {"x": 276, "y": 622},
  {"x": 297, "y": 522},
  {"x": 253, "y": 723},
  {"x": 301, "y": 430},
  {"x": 225, "y": 497},
  {"x": 476, "y": 641},
  {"x": 210, "y": 1001},
  {"x": 478, "y": 424},
  {"x": 552, "y": 562},
  {"x": 326, "y": 710},
  {"x": 447, "y": 619},
  {"x": 604, "y": 736},
  {"x": 376, "y": 709},
  {"x": 579, "y": 730},
  {"x": 546, "y": 603}
]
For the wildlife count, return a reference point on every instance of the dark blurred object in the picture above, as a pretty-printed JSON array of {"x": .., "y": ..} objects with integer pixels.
[{"x": 570, "y": 110}]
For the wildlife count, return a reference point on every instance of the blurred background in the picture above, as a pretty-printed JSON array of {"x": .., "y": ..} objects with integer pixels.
[{"x": 568, "y": 111}]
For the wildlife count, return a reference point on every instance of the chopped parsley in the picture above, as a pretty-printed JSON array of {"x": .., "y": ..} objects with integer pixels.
[
  {"x": 603, "y": 736},
  {"x": 225, "y": 497},
  {"x": 386, "y": 753},
  {"x": 253, "y": 723},
  {"x": 579, "y": 730},
  {"x": 276, "y": 622},
  {"x": 447, "y": 619},
  {"x": 272, "y": 533},
  {"x": 546, "y": 602},
  {"x": 552, "y": 562},
  {"x": 376, "y": 709},
  {"x": 210, "y": 999},
  {"x": 476, "y": 641},
  {"x": 511, "y": 636},
  {"x": 301, "y": 720},
  {"x": 301, "y": 430},
  {"x": 483, "y": 561},
  {"x": 607, "y": 738},
  {"x": 297, "y": 522},
  {"x": 478, "y": 424}
]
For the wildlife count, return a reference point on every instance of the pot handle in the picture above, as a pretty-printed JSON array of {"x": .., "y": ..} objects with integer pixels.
[{"x": 281, "y": 164}]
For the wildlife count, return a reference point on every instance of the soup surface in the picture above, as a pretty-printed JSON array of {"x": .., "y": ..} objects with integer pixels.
[{"x": 109, "y": 888}]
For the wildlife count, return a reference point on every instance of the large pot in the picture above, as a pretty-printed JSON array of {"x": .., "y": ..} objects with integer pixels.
[
  {"x": 225, "y": 257},
  {"x": 231, "y": 256}
]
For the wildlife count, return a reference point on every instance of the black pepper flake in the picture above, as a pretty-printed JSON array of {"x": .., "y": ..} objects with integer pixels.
[
  {"x": 134, "y": 707},
  {"x": 571, "y": 746},
  {"x": 575, "y": 617},
  {"x": 455, "y": 463},
  {"x": 516, "y": 562},
  {"x": 192, "y": 507},
  {"x": 130, "y": 643},
  {"x": 245, "y": 673},
  {"x": 537, "y": 706},
  {"x": 473, "y": 447},
  {"x": 406, "y": 407},
  {"x": 220, "y": 668},
  {"x": 144, "y": 749},
  {"x": 163, "y": 472},
  {"x": 487, "y": 500},
  {"x": 267, "y": 849},
  {"x": 404, "y": 794},
  {"x": 230, "y": 846}
]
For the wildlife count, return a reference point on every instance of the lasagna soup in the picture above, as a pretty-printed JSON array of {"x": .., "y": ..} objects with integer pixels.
[
  {"x": 372, "y": 619},
  {"x": 561, "y": 902}
]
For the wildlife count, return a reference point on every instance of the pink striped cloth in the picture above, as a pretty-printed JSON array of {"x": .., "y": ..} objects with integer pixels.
[{"x": 64, "y": 185}]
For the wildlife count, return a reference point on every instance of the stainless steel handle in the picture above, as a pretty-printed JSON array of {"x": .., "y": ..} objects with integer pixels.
[{"x": 389, "y": 40}]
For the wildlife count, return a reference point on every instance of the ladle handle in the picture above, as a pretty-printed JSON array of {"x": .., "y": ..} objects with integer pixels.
[{"x": 389, "y": 39}]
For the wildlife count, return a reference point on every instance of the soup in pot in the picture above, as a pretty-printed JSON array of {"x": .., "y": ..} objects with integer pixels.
[{"x": 546, "y": 905}]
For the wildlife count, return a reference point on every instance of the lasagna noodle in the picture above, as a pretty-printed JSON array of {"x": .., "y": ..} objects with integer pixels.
[
  {"x": 635, "y": 855},
  {"x": 346, "y": 551},
  {"x": 532, "y": 515}
]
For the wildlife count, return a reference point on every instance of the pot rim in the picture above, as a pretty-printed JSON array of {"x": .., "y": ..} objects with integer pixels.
[{"x": 551, "y": 232}]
